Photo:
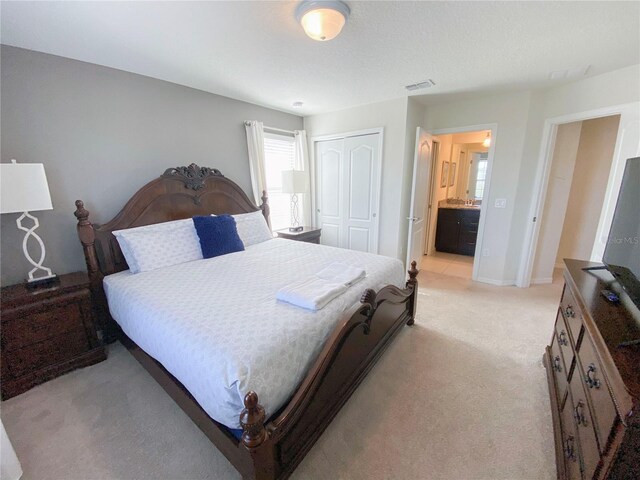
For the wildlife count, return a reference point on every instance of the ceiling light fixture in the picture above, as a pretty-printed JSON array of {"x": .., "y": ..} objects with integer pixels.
[
  {"x": 487, "y": 141},
  {"x": 322, "y": 20}
]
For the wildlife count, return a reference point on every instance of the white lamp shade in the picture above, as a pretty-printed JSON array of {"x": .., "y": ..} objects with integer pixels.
[
  {"x": 23, "y": 188},
  {"x": 295, "y": 181}
]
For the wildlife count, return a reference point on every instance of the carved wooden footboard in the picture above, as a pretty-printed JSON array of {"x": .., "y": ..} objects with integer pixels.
[
  {"x": 352, "y": 350},
  {"x": 267, "y": 450}
]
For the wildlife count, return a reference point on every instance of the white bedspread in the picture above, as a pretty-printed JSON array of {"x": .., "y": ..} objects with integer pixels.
[{"x": 216, "y": 326}]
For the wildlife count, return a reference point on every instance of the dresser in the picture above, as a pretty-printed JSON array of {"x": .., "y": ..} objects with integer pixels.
[
  {"x": 593, "y": 372},
  {"x": 307, "y": 234},
  {"x": 46, "y": 332}
]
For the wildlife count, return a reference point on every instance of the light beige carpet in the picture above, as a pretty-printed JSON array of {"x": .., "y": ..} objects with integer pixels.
[{"x": 460, "y": 395}]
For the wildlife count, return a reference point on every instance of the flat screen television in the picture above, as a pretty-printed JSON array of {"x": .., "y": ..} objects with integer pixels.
[{"x": 622, "y": 252}]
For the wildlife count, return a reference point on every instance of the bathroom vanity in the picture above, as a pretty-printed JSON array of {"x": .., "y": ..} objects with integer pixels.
[{"x": 457, "y": 229}]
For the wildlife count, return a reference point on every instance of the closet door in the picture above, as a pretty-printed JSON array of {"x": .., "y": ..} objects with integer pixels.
[
  {"x": 347, "y": 180},
  {"x": 329, "y": 161},
  {"x": 361, "y": 170}
]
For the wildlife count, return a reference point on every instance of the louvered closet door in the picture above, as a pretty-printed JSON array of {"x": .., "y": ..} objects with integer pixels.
[
  {"x": 329, "y": 199},
  {"x": 347, "y": 180}
]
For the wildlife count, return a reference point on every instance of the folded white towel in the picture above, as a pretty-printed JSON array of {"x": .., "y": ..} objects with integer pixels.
[
  {"x": 341, "y": 273},
  {"x": 310, "y": 293}
]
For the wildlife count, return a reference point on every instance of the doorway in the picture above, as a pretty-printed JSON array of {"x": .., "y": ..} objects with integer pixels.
[
  {"x": 448, "y": 200},
  {"x": 626, "y": 146},
  {"x": 579, "y": 173}
]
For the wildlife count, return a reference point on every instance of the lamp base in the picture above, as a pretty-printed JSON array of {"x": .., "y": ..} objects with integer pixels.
[
  {"x": 296, "y": 229},
  {"x": 43, "y": 282}
]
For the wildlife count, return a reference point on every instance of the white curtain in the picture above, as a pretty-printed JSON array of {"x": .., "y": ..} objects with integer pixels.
[
  {"x": 255, "y": 145},
  {"x": 302, "y": 163}
]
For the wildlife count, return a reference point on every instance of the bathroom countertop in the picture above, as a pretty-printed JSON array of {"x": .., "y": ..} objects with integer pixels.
[{"x": 453, "y": 206}]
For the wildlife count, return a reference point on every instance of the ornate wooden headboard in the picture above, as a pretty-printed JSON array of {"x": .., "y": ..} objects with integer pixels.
[{"x": 180, "y": 192}]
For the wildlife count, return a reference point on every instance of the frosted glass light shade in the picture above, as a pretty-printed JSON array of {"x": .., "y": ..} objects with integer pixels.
[
  {"x": 23, "y": 188},
  {"x": 322, "y": 20},
  {"x": 487, "y": 141},
  {"x": 294, "y": 181}
]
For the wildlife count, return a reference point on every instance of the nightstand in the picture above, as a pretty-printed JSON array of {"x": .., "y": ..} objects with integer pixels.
[
  {"x": 46, "y": 332},
  {"x": 307, "y": 234}
]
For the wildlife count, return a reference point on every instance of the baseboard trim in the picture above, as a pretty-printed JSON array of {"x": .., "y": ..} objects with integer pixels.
[
  {"x": 540, "y": 281},
  {"x": 499, "y": 283}
]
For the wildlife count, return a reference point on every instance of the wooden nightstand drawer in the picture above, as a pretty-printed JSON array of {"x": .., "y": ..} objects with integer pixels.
[
  {"x": 46, "y": 332},
  {"x": 48, "y": 352},
  {"x": 34, "y": 323}
]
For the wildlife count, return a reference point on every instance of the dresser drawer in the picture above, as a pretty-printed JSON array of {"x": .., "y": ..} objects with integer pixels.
[
  {"x": 35, "y": 323},
  {"x": 584, "y": 425},
  {"x": 558, "y": 365},
  {"x": 594, "y": 383},
  {"x": 564, "y": 344},
  {"x": 570, "y": 443},
  {"x": 572, "y": 315},
  {"x": 48, "y": 352}
]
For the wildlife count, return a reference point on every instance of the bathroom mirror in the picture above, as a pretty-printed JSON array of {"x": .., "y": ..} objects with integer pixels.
[{"x": 467, "y": 178}]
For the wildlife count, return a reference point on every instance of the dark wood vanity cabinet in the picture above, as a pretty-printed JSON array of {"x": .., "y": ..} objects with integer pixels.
[
  {"x": 593, "y": 372},
  {"x": 457, "y": 230}
]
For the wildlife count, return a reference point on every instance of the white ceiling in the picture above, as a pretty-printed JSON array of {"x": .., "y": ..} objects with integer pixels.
[{"x": 255, "y": 51}]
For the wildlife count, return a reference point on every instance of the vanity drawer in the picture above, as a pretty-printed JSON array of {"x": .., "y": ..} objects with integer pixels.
[
  {"x": 584, "y": 425},
  {"x": 570, "y": 444},
  {"x": 560, "y": 373},
  {"x": 572, "y": 315},
  {"x": 590, "y": 374}
]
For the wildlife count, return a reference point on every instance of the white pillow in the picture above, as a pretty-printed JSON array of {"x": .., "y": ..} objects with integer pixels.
[
  {"x": 159, "y": 245},
  {"x": 252, "y": 228}
]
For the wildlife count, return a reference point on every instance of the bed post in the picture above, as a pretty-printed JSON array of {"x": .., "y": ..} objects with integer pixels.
[
  {"x": 88, "y": 238},
  {"x": 266, "y": 211},
  {"x": 413, "y": 283},
  {"x": 256, "y": 439}
]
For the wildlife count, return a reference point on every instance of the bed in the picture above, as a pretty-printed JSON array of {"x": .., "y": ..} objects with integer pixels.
[{"x": 261, "y": 379}]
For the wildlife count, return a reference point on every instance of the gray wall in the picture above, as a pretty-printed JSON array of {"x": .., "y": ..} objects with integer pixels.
[{"x": 102, "y": 134}]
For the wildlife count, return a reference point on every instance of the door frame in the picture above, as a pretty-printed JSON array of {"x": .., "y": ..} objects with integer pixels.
[
  {"x": 312, "y": 168},
  {"x": 493, "y": 128},
  {"x": 629, "y": 113}
]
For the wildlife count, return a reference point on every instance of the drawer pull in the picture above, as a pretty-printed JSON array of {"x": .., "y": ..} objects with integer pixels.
[
  {"x": 556, "y": 364},
  {"x": 590, "y": 380},
  {"x": 578, "y": 414},
  {"x": 569, "y": 312},
  {"x": 562, "y": 338},
  {"x": 569, "y": 449}
]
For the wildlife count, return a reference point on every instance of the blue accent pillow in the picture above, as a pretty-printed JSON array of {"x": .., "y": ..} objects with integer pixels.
[{"x": 218, "y": 235}]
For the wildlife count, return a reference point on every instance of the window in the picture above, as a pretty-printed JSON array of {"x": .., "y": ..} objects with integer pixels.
[
  {"x": 279, "y": 155},
  {"x": 481, "y": 176}
]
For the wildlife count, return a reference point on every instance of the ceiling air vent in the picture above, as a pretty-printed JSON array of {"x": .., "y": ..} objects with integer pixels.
[{"x": 418, "y": 86}]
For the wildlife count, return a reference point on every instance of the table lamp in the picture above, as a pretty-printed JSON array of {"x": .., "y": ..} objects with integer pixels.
[
  {"x": 294, "y": 182},
  {"x": 24, "y": 188}
]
